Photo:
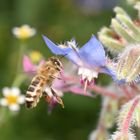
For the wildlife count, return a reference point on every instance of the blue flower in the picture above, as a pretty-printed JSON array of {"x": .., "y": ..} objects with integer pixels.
[
  {"x": 92, "y": 53},
  {"x": 90, "y": 58}
]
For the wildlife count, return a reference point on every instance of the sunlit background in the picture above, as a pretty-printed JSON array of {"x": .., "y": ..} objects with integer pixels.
[{"x": 60, "y": 20}]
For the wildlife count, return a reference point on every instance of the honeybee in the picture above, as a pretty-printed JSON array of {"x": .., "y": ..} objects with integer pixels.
[{"x": 45, "y": 76}]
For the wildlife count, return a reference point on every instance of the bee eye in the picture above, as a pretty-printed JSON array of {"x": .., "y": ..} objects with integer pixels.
[{"x": 57, "y": 63}]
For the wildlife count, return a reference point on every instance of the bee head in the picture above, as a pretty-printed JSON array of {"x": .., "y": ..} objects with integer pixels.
[{"x": 56, "y": 62}]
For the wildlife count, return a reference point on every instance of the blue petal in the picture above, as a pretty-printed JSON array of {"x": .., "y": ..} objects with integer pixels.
[
  {"x": 74, "y": 57},
  {"x": 112, "y": 73},
  {"x": 54, "y": 48},
  {"x": 108, "y": 71},
  {"x": 93, "y": 52}
]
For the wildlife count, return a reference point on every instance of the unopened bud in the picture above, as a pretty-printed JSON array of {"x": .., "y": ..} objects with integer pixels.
[{"x": 128, "y": 66}]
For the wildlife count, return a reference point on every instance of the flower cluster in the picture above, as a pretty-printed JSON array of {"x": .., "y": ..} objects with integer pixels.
[
  {"x": 123, "y": 40},
  {"x": 90, "y": 60}
]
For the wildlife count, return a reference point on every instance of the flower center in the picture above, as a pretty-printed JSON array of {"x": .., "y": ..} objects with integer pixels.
[
  {"x": 12, "y": 99},
  {"x": 69, "y": 44},
  {"x": 72, "y": 44},
  {"x": 87, "y": 73},
  {"x": 62, "y": 46},
  {"x": 87, "y": 76},
  {"x": 24, "y": 32}
]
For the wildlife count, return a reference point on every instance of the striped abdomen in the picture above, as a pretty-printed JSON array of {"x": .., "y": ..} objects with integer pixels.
[{"x": 34, "y": 91}]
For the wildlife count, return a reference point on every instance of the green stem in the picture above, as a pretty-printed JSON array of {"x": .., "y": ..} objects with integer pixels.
[
  {"x": 19, "y": 63},
  {"x": 20, "y": 77},
  {"x": 18, "y": 80}
]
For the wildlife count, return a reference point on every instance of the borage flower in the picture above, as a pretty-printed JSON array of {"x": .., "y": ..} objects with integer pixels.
[
  {"x": 65, "y": 84},
  {"x": 12, "y": 98},
  {"x": 90, "y": 59},
  {"x": 23, "y": 32}
]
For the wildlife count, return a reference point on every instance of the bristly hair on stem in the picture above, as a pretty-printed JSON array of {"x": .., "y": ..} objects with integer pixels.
[{"x": 128, "y": 116}]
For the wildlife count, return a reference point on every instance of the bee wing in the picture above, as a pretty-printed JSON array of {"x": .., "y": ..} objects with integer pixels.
[
  {"x": 50, "y": 93},
  {"x": 58, "y": 99}
]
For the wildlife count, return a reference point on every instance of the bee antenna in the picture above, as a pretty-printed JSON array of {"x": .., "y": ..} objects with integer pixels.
[{"x": 63, "y": 56}]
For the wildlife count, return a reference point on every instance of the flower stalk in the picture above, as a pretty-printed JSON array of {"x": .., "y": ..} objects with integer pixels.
[{"x": 127, "y": 122}]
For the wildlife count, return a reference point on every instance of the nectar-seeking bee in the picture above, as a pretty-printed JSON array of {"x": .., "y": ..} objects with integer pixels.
[{"x": 45, "y": 76}]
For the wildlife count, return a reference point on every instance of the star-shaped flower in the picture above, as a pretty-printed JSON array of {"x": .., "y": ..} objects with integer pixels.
[{"x": 90, "y": 58}]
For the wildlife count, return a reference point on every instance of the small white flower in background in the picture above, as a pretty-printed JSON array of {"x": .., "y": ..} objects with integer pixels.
[
  {"x": 12, "y": 98},
  {"x": 23, "y": 32}
]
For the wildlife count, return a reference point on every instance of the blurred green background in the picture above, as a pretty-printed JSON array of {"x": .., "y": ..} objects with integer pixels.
[{"x": 60, "y": 20}]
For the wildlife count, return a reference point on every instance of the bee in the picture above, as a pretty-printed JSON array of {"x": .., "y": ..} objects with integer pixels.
[{"x": 45, "y": 76}]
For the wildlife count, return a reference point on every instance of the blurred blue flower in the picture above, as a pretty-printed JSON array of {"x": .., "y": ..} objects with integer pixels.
[{"x": 90, "y": 58}]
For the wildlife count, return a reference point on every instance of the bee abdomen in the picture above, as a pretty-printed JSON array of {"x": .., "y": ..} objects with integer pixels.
[
  {"x": 30, "y": 96},
  {"x": 34, "y": 92}
]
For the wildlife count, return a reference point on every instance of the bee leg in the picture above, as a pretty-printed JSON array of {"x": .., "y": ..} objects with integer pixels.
[
  {"x": 59, "y": 100},
  {"x": 54, "y": 77},
  {"x": 47, "y": 98},
  {"x": 44, "y": 94}
]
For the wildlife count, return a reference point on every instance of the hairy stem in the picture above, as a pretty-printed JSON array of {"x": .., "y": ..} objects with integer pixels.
[
  {"x": 126, "y": 91},
  {"x": 98, "y": 89},
  {"x": 103, "y": 91},
  {"x": 127, "y": 121}
]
